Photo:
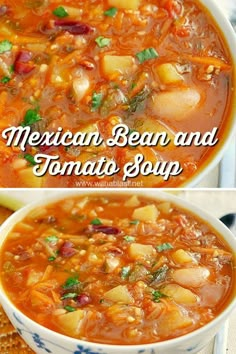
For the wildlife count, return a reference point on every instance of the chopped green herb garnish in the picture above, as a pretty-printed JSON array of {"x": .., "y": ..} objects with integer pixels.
[
  {"x": 157, "y": 295},
  {"x": 60, "y": 12},
  {"x": 147, "y": 54},
  {"x": 96, "y": 222},
  {"x": 69, "y": 296},
  {"x": 164, "y": 247},
  {"x": 133, "y": 85},
  {"x": 96, "y": 101},
  {"x": 160, "y": 274},
  {"x": 31, "y": 116},
  {"x": 111, "y": 12},
  {"x": 51, "y": 239},
  {"x": 5, "y": 79},
  {"x": 70, "y": 282},
  {"x": 102, "y": 301},
  {"x": 102, "y": 41},
  {"x": 125, "y": 272},
  {"x": 52, "y": 259},
  {"x": 30, "y": 159},
  {"x": 70, "y": 308},
  {"x": 138, "y": 100},
  {"x": 11, "y": 69},
  {"x": 129, "y": 238},
  {"x": 134, "y": 222},
  {"x": 5, "y": 46}
]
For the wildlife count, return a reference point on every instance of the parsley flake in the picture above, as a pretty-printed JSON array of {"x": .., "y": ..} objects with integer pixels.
[
  {"x": 125, "y": 272},
  {"x": 96, "y": 101},
  {"x": 164, "y": 247},
  {"x": 157, "y": 295},
  {"x": 70, "y": 282},
  {"x": 69, "y": 296},
  {"x": 51, "y": 259},
  {"x": 60, "y": 12},
  {"x": 111, "y": 12},
  {"x": 96, "y": 222},
  {"x": 31, "y": 116},
  {"x": 5, "y": 46},
  {"x": 102, "y": 41},
  {"x": 30, "y": 159},
  {"x": 11, "y": 69},
  {"x": 51, "y": 239},
  {"x": 134, "y": 222},
  {"x": 70, "y": 308},
  {"x": 5, "y": 79},
  {"x": 147, "y": 54},
  {"x": 129, "y": 238}
]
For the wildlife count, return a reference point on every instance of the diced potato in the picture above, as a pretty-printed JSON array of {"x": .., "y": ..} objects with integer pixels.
[
  {"x": 165, "y": 207},
  {"x": 113, "y": 64},
  {"x": 191, "y": 277},
  {"x": 182, "y": 257},
  {"x": 176, "y": 104},
  {"x": 132, "y": 202},
  {"x": 172, "y": 321},
  {"x": 80, "y": 86},
  {"x": 28, "y": 178},
  {"x": 147, "y": 213},
  {"x": 73, "y": 11},
  {"x": 124, "y": 4},
  {"x": 168, "y": 74},
  {"x": 139, "y": 251},
  {"x": 180, "y": 294},
  {"x": 119, "y": 294},
  {"x": 33, "y": 277},
  {"x": 111, "y": 264},
  {"x": 151, "y": 125},
  {"x": 70, "y": 322}
]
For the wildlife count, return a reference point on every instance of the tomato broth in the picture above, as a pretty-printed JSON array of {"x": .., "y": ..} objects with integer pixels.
[
  {"x": 117, "y": 269},
  {"x": 155, "y": 66}
]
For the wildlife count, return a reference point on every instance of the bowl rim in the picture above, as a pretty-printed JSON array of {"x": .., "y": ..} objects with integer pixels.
[
  {"x": 229, "y": 36},
  {"x": 201, "y": 214}
]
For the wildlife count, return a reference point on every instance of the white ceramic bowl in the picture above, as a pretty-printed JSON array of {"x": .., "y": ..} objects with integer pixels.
[
  {"x": 230, "y": 40},
  {"x": 43, "y": 340}
]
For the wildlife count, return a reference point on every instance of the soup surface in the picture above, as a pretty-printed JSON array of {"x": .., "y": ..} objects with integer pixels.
[
  {"x": 117, "y": 269},
  {"x": 157, "y": 66}
]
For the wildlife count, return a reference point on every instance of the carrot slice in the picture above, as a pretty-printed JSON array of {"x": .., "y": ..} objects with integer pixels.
[{"x": 218, "y": 63}]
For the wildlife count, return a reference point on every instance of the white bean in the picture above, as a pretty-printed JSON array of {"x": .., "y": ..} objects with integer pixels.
[{"x": 191, "y": 277}]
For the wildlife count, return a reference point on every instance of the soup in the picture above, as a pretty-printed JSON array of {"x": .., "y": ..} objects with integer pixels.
[
  {"x": 87, "y": 66},
  {"x": 117, "y": 269}
]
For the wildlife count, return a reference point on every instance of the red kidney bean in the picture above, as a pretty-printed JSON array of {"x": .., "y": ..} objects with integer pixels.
[
  {"x": 108, "y": 230},
  {"x": 83, "y": 300},
  {"x": 67, "y": 249},
  {"x": 22, "y": 63},
  {"x": 73, "y": 27},
  {"x": 24, "y": 56}
]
